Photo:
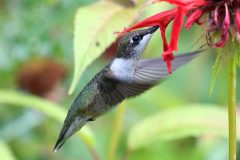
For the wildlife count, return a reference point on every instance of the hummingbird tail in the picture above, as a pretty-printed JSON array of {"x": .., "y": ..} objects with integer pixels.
[
  {"x": 69, "y": 128},
  {"x": 60, "y": 141}
]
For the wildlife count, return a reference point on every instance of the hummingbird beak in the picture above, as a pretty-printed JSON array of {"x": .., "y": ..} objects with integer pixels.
[{"x": 151, "y": 30}]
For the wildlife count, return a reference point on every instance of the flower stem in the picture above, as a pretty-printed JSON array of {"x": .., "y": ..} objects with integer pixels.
[
  {"x": 116, "y": 131},
  {"x": 232, "y": 109}
]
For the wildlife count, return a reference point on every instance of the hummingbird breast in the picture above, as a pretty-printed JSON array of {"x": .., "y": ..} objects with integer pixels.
[{"x": 123, "y": 68}]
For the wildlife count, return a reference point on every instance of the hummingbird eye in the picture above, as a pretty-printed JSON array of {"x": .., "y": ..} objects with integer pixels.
[{"x": 137, "y": 38}]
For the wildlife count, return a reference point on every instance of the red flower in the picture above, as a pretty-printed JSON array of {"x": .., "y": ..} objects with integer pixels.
[{"x": 217, "y": 12}]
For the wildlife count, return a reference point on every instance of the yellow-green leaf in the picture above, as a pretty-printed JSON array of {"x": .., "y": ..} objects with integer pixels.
[
  {"x": 48, "y": 108},
  {"x": 179, "y": 123},
  {"x": 93, "y": 32},
  {"x": 5, "y": 152}
]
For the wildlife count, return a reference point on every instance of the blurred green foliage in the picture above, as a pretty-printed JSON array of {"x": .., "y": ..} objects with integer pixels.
[
  {"x": 5, "y": 152},
  {"x": 45, "y": 29}
]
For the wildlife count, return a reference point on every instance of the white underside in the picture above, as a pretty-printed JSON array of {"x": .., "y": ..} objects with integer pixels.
[{"x": 122, "y": 68}]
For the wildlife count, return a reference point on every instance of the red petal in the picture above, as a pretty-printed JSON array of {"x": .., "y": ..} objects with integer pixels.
[
  {"x": 216, "y": 17},
  {"x": 176, "y": 28},
  {"x": 226, "y": 22},
  {"x": 169, "y": 66},
  {"x": 168, "y": 57},
  {"x": 165, "y": 44},
  {"x": 194, "y": 17},
  {"x": 224, "y": 30},
  {"x": 163, "y": 27},
  {"x": 237, "y": 19},
  {"x": 223, "y": 40},
  {"x": 225, "y": 27},
  {"x": 186, "y": 4},
  {"x": 160, "y": 19}
]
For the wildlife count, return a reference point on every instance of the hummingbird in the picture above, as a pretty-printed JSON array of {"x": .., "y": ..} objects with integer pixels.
[{"x": 127, "y": 75}]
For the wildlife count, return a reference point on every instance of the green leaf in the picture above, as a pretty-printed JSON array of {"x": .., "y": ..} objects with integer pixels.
[
  {"x": 216, "y": 69},
  {"x": 179, "y": 123},
  {"x": 231, "y": 49},
  {"x": 6, "y": 152},
  {"x": 50, "y": 109},
  {"x": 93, "y": 32}
]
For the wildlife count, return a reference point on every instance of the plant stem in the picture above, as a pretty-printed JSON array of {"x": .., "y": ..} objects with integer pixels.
[
  {"x": 232, "y": 109},
  {"x": 92, "y": 150},
  {"x": 116, "y": 131}
]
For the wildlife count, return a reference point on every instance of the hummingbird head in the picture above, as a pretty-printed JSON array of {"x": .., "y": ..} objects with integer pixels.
[{"x": 132, "y": 44}]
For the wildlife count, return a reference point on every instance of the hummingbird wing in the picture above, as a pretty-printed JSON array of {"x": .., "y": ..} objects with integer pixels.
[
  {"x": 114, "y": 91},
  {"x": 151, "y": 71},
  {"x": 148, "y": 72}
]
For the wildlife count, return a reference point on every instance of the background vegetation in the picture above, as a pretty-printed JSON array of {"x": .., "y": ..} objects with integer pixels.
[{"x": 39, "y": 42}]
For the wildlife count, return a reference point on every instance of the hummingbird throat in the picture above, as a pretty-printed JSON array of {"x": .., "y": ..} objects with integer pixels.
[{"x": 123, "y": 68}]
